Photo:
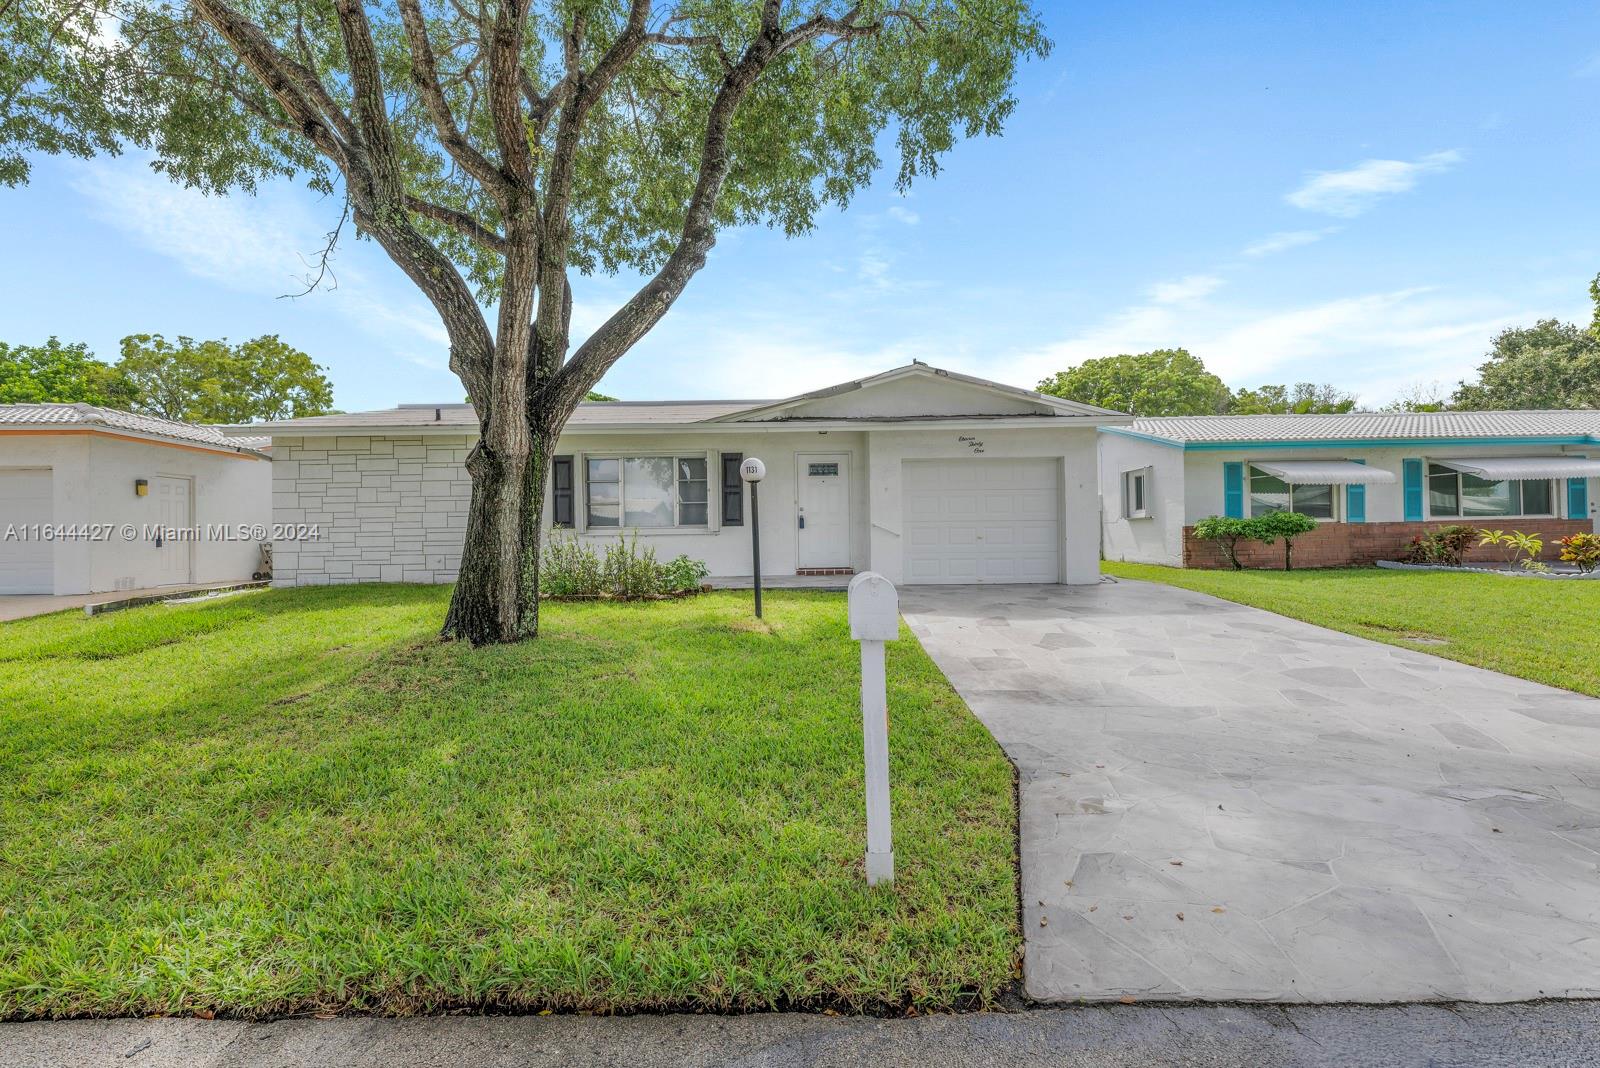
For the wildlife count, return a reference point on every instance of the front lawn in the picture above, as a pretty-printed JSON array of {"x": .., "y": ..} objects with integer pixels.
[
  {"x": 301, "y": 801},
  {"x": 1540, "y": 629}
]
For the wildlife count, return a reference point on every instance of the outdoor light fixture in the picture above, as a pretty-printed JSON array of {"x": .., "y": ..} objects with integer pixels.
[
  {"x": 141, "y": 487},
  {"x": 753, "y": 471}
]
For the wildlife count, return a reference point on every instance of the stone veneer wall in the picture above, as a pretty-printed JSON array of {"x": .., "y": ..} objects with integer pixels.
[
  {"x": 390, "y": 509},
  {"x": 1342, "y": 544}
]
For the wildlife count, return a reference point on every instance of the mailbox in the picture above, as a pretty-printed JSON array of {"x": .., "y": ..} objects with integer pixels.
[{"x": 874, "y": 608}]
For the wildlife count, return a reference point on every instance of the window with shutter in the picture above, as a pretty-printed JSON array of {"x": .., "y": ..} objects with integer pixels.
[
  {"x": 561, "y": 491},
  {"x": 732, "y": 490}
]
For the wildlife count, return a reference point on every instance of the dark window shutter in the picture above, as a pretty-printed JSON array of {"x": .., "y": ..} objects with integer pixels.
[
  {"x": 561, "y": 491},
  {"x": 732, "y": 490}
]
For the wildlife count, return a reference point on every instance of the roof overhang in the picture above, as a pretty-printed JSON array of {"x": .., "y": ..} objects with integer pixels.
[
  {"x": 120, "y": 433},
  {"x": 1509, "y": 468},
  {"x": 1325, "y": 472}
]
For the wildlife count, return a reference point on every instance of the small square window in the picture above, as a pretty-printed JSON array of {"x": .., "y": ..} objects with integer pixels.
[{"x": 1136, "y": 493}]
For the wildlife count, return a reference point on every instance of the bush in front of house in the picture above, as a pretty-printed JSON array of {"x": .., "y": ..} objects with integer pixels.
[
  {"x": 571, "y": 567},
  {"x": 1267, "y": 529},
  {"x": 1446, "y": 546},
  {"x": 1582, "y": 551},
  {"x": 1227, "y": 533}
]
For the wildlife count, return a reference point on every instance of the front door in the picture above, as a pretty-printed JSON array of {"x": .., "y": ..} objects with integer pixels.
[
  {"x": 824, "y": 503},
  {"x": 172, "y": 500}
]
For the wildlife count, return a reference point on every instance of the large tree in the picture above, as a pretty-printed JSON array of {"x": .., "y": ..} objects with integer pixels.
[
  {"x": 56, "y": 372},
  {"x": 490, "y": 147},
  {"x": 1163, "y": 382},
  {"x": 215, "y": 382},
  {"x": 1548, "y": 365}
]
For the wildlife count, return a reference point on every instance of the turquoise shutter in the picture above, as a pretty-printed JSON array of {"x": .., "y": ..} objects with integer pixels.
[
  {"x": 1577, "y": 498},
  {"x": 1413, "y": 489},
  {"x": 1355, "y": 501},
  {"x": 1233, "y": 490}
]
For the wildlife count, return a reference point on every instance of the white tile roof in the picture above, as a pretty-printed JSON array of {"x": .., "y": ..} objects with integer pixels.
[
  {"x": 88, "y": 415},
  {"x": 1364, "y": 426}
]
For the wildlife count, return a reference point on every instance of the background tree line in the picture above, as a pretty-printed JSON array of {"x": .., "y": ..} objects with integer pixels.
[
  {"x": 194, "y": 381},
  {"x": 1549, "y": 365}
]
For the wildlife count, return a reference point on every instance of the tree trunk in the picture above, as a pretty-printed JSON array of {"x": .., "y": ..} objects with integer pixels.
[{"x": 496, "y": 597}]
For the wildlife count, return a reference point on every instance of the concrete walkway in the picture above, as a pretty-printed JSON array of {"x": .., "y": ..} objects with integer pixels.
[
  {"x": 1116, "y": 1036},
  {"x": 26, "y": 605},
  {"x": 1222, "y": 803}
]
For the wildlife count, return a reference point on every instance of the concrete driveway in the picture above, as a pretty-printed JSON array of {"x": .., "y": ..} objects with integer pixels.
[{"x": 1222, "y": 803}]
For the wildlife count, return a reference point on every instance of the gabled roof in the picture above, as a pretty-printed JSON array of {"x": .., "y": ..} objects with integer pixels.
[
  {"x": 88, "y": 417},
  {"x": 1573, "y": 427},
  {"x": 917, "y": 369},
  {"x": 644, "y": 415}
]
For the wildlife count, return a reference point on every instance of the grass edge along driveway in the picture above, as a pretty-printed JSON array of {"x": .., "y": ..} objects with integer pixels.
[
  {"x": 301, "y": 801},
  {"x": 1544, "y": 630}
]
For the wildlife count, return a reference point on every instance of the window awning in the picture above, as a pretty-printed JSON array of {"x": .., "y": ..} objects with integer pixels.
[
  {"x": 1507, "y": 468},
  {"x": 1325, "y": 472}
]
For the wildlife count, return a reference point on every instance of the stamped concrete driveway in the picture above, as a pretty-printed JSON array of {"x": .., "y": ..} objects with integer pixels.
[{"x": 1222, "y": 803}]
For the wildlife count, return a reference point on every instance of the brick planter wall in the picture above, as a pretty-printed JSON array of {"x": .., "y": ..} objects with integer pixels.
[{"x": 1342, "y": 544}]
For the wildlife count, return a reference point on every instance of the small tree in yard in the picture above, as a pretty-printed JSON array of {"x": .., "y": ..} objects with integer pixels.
[
  {"x": 1285, "y": 525},
  {"x": 1227, "y": 533},
  {"x": 491, "y": 147}
]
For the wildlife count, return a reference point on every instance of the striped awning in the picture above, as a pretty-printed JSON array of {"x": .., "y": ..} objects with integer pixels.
[
  {"x": 1324, "y": 472},
  {"x": 1510, "y": 468}
]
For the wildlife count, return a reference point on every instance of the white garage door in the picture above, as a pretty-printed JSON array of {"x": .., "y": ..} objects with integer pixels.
[
  {"x": 982, "y": 521},
  {"x": 27, "y": 564}
]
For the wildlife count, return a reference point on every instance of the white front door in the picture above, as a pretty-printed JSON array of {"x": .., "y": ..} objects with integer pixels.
[
  {"x": 824, "y": 504},
  {"x": 173, "y": 557},
  {"x": 975, "y": 520},
  {"x": 27, "y": 557}
]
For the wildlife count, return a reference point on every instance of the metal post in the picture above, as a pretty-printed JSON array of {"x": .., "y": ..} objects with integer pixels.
[
  {"x": 755, "y": 543},
  {"x": 875, "y": 738}
]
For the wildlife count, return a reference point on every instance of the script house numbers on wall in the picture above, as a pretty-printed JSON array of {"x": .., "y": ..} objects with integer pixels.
[{"x": 972, "y": 443}]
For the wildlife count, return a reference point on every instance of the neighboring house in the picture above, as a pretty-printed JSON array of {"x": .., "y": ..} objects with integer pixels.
[
  {"x": 921, "y": 474},
  {"x": 75, "y": 480},
  {"x": 1374, "y": 480}
]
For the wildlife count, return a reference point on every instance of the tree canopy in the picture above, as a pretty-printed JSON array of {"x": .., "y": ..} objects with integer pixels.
[
  {"x": 193, "y": 381},
  {"x": 1174, "y": 382},
  {"x": 1304, "y": 398},
  {"x": 1548, "y": 365}
]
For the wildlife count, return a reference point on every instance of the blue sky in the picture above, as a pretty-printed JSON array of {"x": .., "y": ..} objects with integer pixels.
[{"x": 1356, "y": 193}]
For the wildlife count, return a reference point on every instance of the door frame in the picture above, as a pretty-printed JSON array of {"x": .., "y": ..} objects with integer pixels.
[
  {"x": 800, "y": 460},
  {"x": 188, "y": 543}
]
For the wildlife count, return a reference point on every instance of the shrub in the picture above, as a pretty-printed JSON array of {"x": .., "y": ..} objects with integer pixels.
[
  {"x": 1529, "y": 546},
  {"x": 1443, "y": 546},
  {"x": 1581, "y": 551},
  {"x": 1227, "y": 533},
  {"x": 1497, "y": 537},
  {"x": 569, "y": 567},
  {"x": 682, "y": 574},
  {"x": 629, "y": 573},
  {"x": 1286, "y": 525}
]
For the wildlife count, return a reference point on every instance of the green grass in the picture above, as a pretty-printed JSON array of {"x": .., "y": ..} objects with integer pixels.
[
  {"x": 1538, "y": 629},
  {"x": 302, "y": 801}
]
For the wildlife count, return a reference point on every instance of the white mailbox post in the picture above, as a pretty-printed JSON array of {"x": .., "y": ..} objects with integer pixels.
[{"x": 875, "y": 619}]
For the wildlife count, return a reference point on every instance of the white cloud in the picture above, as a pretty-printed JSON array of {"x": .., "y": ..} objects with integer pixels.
[
  {"x": 260, "y": 245},
  {"x": 1185, "y": 290},
  {"x": 1350, "y": 192},
  {"x": 1284, "y": 240},
  {"x": 904, "y": 214},
  {"x": 1590, "y": 69}
]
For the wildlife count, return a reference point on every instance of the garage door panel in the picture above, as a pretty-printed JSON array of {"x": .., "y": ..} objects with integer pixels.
[
  {"x": 27, "y": 564},
  {"x": 981, "y": 521}
]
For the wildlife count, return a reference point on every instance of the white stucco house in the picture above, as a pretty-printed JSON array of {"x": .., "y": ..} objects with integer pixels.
[
  {"x": 90, "y": 499},
  {"x": 924, "y": 475},
  {"x": 1374, "y": 480}
]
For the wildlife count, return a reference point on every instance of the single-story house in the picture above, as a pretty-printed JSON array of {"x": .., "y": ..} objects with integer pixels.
[
  {"x": 94, "y": 500},
  {"x": 924, "y": 475},
  {"x": 1374, "y": 480}
]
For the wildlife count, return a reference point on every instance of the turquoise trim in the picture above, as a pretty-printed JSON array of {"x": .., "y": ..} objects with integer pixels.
[
  {"x": 1355, "y": 501},
  {"x": 1233, "y": 490},
  {"x": 1412, "y": 472},
  {"x": 1119, "y": 431},
  {"x": 1577, "y": 498},
  {"x": 1379, "y": 443}
]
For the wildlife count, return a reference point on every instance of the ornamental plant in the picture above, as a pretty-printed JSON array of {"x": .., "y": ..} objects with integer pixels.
[
  {"x": 1285, "y": 525},
  {"x": 1445, "y": 546},
  {"x": 1581, "y": 551},
  {"x": 1227, "y": 532},
  {"x": 1528, "y": 546}
]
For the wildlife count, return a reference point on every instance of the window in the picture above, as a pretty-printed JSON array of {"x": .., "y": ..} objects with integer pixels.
[
  {"x": 1136, "y": 493},
  {"x": 646, "y": 491},
  {"x": 1456, "y": 493},
  {"x": 821, "y": 470},
  {"x": 1269, "y": 493}
]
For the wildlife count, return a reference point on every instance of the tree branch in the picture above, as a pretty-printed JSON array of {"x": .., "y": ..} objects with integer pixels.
[
  {"x": 459, "y": 221},
  {"x": 366, "y": 84},
  {"x": 505, "y": 91},
  {"x": 425, "y": 76}
]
